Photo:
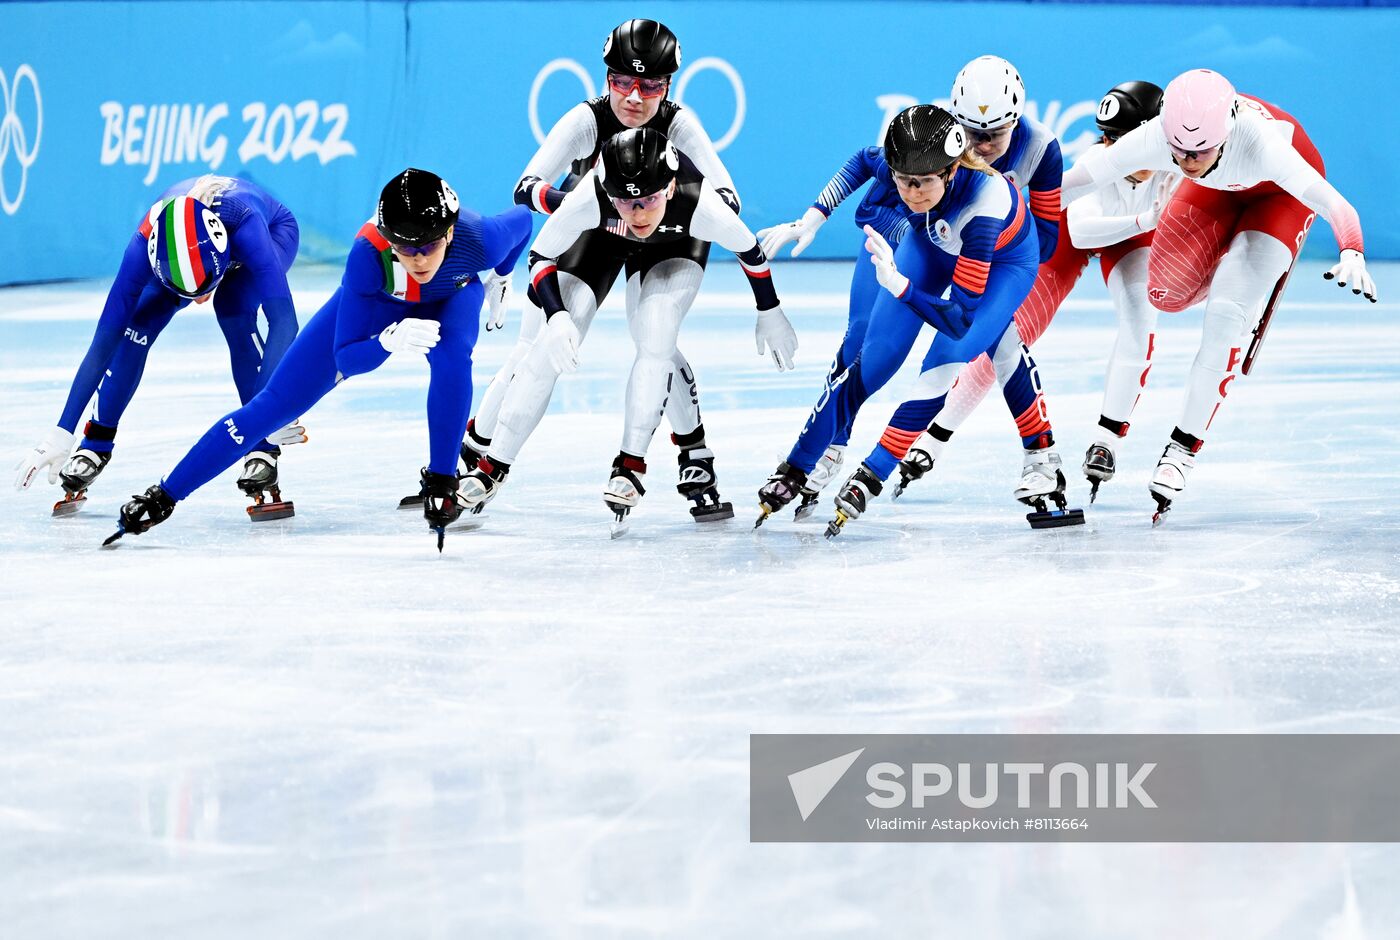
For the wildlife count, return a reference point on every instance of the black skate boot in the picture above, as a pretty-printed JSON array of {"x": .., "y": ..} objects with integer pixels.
[
  {"x": 697, "y": 479},
  {"x": 259, "y": 481},
  {"x": 922, "y": 455},
  {"x": 624, "y": 490},
  {"x": 145, "y": 510},
  {"x": 480, "y": 486},
  {"x": 77, "y": 475},
  {"x": 1042, "y": 480},
  {"x": 1099, "y": 460},
  {"x": 82, "y": 468},
  {"x": 472, "y": 450},
  {"x": 442, "y": 504},
  {"x": 782, "y": 488},
  {"x": 854, "y": 498}
]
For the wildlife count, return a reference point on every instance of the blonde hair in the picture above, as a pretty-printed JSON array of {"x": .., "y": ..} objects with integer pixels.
[{"x": 970, "y": 161}]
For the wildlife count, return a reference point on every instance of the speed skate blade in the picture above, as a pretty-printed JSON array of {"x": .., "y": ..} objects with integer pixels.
[
  {"x": 69, "y": 505},
  {"x": 1055, "y": 518},
  {"x": 412, "y": 502},
  {"x": 267, "y": 512},
  {"x": 714, "y": 513},
  {"x": 467, "y": 523},
  {"x": 618, "y": 528},
  {"x": 806, "y": 511}
]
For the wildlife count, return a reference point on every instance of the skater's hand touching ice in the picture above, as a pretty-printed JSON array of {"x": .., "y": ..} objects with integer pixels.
[
  {"x": 410, "y": 335},
  {"x": 774, "y": 332},
  {"x": 882, "y": 256},
  {"x": 561, "y": 341},
  {"x": 802, "y": 231},
  {"x": 49, "y": 454},
  {"x": 1351, "y": 269},
  {"x": 498, "y": 296}
]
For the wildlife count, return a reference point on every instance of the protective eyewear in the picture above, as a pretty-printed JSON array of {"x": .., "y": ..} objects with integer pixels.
[
  {"x": 640, "y": 202},
  {"x": 918, "y": 182},
  {"x": 995, "y": 135},
  {"x": 417, "y": 251},
  {"x": 646, "y": 87},
  {"x": 1192, "y": 154}
]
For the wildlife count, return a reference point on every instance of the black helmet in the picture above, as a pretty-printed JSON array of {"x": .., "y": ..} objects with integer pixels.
[
  {"x": 1127, "y": 106},
  {"x": 923, "y": 139},
  {"x": 644, "y": 48},
  {"x": 416, "y": 207},
  {"x": 637, "y": 162}
]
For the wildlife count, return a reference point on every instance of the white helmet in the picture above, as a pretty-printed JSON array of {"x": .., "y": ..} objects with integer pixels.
[{"x": 988, "y": 93}]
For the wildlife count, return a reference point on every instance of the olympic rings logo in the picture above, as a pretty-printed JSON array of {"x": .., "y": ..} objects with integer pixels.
[
  {"x": 699, "y": 65},
  {"x": 12, "y": 135}
]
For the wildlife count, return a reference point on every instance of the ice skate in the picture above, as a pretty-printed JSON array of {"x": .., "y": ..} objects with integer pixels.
[
  {"x": 1043, "y": 481},
  {"x": 145, "y": 511},
  {"x": 782, "y": 488},
  {"x": 854, "y": 499},
  {"x": 1169, "y": 479},
  {"x": 466, "y": 462},
  {"x": 259, "y": 481},
  {"x": 77, "y": 475},
  {"x": 624, "y": 491},
  {"x": 823, "y": 473},
  {"x": 481, "y": 485},
  {"x": 1099, "y": 466},
  {"x": 923, "y": 453},
  {"x": 697, "y": 484},
  {"x": 442, "y": 503}
]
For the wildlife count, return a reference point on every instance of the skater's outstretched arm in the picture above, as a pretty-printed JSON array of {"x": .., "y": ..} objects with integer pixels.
[
  {"x": 251, "y": 244},
  {"x": 1044, "y": 202},
  {"x": 571, "y": 138}
]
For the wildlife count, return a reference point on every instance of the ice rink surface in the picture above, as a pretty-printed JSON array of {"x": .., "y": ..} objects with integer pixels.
[{"x": 323, "y": 728}]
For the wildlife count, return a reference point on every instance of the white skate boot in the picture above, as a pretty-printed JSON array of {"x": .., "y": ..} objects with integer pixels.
[
  {"x": 1043, "y": 479},
  {"x": 823, "y": 473},
  {"x": 923, "y": 453},
  {"x": 1169, "y": 479}
]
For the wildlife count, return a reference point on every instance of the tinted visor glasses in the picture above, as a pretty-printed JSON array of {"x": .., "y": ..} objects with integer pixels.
[
  {"x": 633, "y": 203},
  {"x": 646, "y": 87},
  {"x": 417, "y": 251}
]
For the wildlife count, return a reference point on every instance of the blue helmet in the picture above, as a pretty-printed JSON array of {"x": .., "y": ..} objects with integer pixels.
[{"x": 187, "y": 245}]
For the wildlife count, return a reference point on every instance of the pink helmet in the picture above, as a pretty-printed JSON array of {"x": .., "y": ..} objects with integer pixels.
[{"x": 1198, "y": 110}]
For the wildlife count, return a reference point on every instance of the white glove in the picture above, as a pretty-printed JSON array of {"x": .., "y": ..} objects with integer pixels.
[
  {"x": 51, "y": 452},
  {"x": 803, "y": 230},
  {"x": 882, "y": 256},
  {"x": 772, "y": 330},
  {"x": 561, "y": 341},
  {"x": 410, "y": 335},
  {"x": 1352, "y": 270},
  {"x": 1165, "y": 187},
  {"x": 498, "y": 291},
  {"x": 293, "y": 433}
]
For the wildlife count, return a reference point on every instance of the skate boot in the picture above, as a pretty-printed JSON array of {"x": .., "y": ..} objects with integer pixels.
[
  {"x": 145, "y": 510},
  {"x": 77, "y": 475},
  {"x": 1099, "y": 460},
  {"x": 923, "y": 453},
  {"x": 1169, "y": 479},
  {"x": 259, "y": 480},
  {"x": 697, "y": 483},
  {"x": 823, "y": 473},
  {"x": 854, "y": 498},
  {"x": 473, "y": 448},
  {"x": 624, "y": 490},
  {"x": 480, "y": 485},
  {"x": 442, "y": 504},
  {"x": 782, "y": 488},
  {"x": 1042, "y": 480}
]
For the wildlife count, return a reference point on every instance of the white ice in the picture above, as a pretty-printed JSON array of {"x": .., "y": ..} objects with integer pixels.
[{"x": 322, "y": 727}]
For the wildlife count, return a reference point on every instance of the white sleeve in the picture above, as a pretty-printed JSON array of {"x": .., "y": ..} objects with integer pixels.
[
  {"x": 1089, "y": 227},
  {"x": 572, "y": 138},
  {"x": 578, "y": 213},
  {"x": 714, "y": 221},
  {"x": 1143, "y": 148},
  {"x": 689, "y": 136}
]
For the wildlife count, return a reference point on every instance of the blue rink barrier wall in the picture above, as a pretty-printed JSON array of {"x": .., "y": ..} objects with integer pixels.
[{"x": 320, "y": 102}]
